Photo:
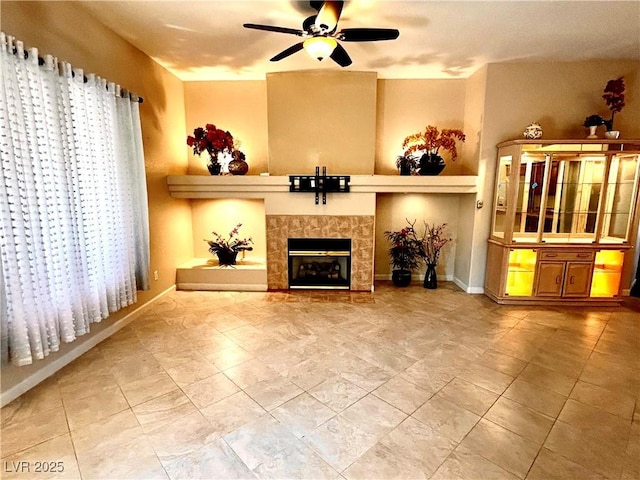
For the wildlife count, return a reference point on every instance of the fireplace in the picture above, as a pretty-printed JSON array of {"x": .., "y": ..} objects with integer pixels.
[{"x": 319, "y": 263}]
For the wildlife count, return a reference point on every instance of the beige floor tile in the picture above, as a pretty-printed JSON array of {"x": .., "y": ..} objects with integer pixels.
[
  {"x": 228, "y": 357},
  {"x": 260, "y": 440},
  {"x": 336, "y": 347},
  {"x": 172, "y": 358},
  {"x": 210, "y": 390},
  {"x": 551, "y": 466},
  {"x": 127, "y": 370},
  {"x": 467, "y": 395},
  {"x": 250, "y": 372},
  {"x": 182, "y": 436},
  {"x": 106, "y": 434},
  {"x": 83, "y": 411},
  {"x": 337, "y": 393},
  {"x": 446, "y": 418},
  {"x": 593, "y": 453},
  {"x": 302, "y": 414},
  {"x": 502, "y": 363},
  {"x": 612, "y": 402},
  {"x": 463, "y": 464},
  {"x": 191, "y": 372},
  {"x": 403, "y": 395},
  {"x": 492, "y": 380},
  {"x": 374, "y": 416},
  {"x": 232, "y": 412},
  {"x": 549, "y": 379},
  {"x": 519, "y": 419},
  {"x": 596, "y": 422},
  {"x": 502, "y": 447},
  {"x": 133, "y": 460},
  {"x": 419, "y": 444},
  {"x": 148, "y": 388},
  {"x": 339, "y": 442},
  {"x": 536, "y": 397},
  {"x": 383, "y": 463},
  {"x": 53, "y": 458},
  {"x": 215, "y": 460},
  {"x": 273, "y": 393},
  {"x": 163, "y": 410}
]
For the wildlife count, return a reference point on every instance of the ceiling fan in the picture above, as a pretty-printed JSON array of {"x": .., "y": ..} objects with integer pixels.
[{"x": 321, "y": 36}]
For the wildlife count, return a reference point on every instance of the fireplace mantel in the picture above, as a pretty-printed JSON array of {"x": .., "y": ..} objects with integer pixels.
[{"x": 255, "y": 186}]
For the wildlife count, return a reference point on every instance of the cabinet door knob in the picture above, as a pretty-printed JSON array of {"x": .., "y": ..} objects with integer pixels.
[
  {"x": 571, "y": 279},
  {"x": 558, "y": 278}
]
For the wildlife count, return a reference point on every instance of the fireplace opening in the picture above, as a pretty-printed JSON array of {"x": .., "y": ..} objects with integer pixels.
[{"x": 320, "y": 263}]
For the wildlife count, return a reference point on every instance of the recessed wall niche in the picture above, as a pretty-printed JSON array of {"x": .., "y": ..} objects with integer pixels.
[{"x": 222, "y": 215}]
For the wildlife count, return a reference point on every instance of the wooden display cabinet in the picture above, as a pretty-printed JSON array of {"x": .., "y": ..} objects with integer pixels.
[{"x": 562, "y": 221}]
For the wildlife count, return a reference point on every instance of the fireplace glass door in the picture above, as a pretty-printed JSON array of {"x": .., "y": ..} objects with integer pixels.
[{"x": 320, "y": 263}]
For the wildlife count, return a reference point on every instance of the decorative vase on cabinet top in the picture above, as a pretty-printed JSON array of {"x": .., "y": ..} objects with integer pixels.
[{"x": 533, "y": 131}]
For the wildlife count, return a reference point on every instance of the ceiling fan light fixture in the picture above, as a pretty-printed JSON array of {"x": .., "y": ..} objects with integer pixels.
[{"x": 320, "y": 47}]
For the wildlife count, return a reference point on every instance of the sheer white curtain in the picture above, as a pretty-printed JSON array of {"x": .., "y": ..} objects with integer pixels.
[{"x": 73, "y": 209}]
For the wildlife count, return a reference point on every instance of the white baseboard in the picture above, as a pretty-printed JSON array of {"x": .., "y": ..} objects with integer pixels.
[
  {"x": 467, "y": 288},
  {"x": 44, "y": 373},
  {"x": 235, "y": 287}
]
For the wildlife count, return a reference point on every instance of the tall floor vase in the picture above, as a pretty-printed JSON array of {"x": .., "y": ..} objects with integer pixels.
[{"x": 430, "y": 277}]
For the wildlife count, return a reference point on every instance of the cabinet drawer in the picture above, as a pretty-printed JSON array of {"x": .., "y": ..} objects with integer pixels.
[{"x": 567, "y": 256}]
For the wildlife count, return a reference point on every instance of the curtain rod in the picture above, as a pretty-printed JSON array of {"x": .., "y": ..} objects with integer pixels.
[{"x": 41, "y": 62}]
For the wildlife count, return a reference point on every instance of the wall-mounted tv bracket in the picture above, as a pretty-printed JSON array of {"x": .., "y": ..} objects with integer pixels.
[{"x": 319, "y": 184}]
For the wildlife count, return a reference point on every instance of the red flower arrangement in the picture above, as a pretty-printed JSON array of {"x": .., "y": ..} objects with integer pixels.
[
  {"x": 432, "y": 140},
  {"x": 212, "y": 140}
]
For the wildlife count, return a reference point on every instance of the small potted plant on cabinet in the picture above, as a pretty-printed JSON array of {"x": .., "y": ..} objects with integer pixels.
[{"x": 406, "y": 254}]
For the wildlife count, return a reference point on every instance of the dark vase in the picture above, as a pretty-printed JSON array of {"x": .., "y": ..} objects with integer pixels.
[
  {"x": 431, "y": 164},
  {"x": 238, "y": 167},
  {"x": 226, "y": 257},
  {"x": 430, "y": 277},
  {"x": 401, "y": 278},
  {"x": 214, "y": 168},
  {"x": 405, "y": 168}
]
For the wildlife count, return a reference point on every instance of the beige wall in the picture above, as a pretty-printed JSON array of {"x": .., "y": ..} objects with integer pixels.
[
  {"x": 237, "y": 106},
  {"x": 408, "y": 106},
  {"x": 65, "y": 30},
  {"x": 321, "y": 118}
]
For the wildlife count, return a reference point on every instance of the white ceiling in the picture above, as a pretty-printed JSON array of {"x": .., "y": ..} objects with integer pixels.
[{"x": 205, "y": 40}]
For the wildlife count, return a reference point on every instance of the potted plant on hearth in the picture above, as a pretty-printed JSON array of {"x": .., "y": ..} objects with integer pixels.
[
  {"x": 227, "y": 249},
  {"x": 405, "y": 254},
  {"x": 430, "y": 142}
]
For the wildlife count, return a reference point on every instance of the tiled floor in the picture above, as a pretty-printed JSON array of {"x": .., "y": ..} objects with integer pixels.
[{"x": 403, "y": 383}]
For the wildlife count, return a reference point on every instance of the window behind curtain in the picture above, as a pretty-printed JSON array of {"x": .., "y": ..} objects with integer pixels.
[{"x": 73, "y": 203}]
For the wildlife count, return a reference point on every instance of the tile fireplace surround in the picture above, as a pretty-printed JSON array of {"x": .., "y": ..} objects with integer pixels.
[{"x": 360, "y": 228}]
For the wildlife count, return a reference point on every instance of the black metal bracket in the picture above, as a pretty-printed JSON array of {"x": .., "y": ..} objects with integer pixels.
[{"x": 319, "y": 184}]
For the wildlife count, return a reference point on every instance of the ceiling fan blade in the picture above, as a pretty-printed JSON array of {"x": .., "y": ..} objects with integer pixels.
[
  {"x": 340, "y": 56},
  {"x": 329, "y": 15},
  {"x": 316, "y": 5},
  {"x": 367, "y": 34},
  {"x": 272, "y": 28},
  {"x": 289, "y": 51}
]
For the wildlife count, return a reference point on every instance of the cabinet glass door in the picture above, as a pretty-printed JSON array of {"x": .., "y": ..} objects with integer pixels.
[
  {"x": 520, "y": 274},
  {"x": 607, "y": 272},
  {"x": 622, "y": 188},
  {"x": 528, "y": 204},
  {"x": 502, "y": 196},
  {"x": 573, "y": 196}
]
